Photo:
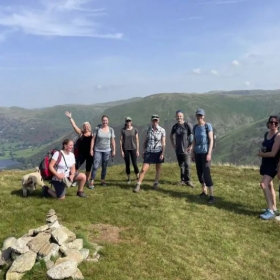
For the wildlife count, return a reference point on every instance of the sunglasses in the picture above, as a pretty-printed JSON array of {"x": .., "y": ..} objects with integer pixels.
[{"x": 271, "y": 122}]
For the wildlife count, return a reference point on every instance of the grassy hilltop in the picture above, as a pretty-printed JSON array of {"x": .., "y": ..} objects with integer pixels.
[{"x": 165, "y": 234}]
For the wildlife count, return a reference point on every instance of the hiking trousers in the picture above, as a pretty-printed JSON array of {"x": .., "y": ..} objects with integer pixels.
[
  {"x": 127, "y": 155},
  {"x": 97, "y": 158},
  {"x": 203, "y": 170},
  {"x": 184, "y": 162}
]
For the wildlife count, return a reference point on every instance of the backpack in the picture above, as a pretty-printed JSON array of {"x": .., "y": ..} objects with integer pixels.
[
  {"x": 44, "y": 164},
  {"x": 77, "y": 145},
  {"x": 207, "y": 130}
]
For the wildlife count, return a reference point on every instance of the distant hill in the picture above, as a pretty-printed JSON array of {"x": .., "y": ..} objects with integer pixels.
[{"x": 238, "y": 118}]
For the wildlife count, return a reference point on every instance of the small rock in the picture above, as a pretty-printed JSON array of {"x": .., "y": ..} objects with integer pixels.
[
  {"x": 54, "y": 225},
  {"x": 41, "y": 229},
  {"x": 20, "y": 246},
  {"x": 9, "y": 242},
  {"x": 76, "y": 244},
  {"x": 85, "y": 253},
  {"x": 63, "y": 270},
  {"x": 38, "y": 241},
  {"x": 49, "y": 264},
  {"x": 74, "y": 254},
  {"x": 51, "y": 212},
  {"x": 51, "y": 219}
]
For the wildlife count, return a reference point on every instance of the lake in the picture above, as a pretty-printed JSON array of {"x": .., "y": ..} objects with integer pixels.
[{"x": 4, "y": 163}]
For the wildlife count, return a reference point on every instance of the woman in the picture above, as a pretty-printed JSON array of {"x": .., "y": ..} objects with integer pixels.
[
  {"x": 102, "y": 145},
  {"x": 268, "y": 169},
  {"x": 129, "y": 143},
  {"x": 85, "y": 135},
  {"x": 202, "y": 146},
  {"x": 63, "y": 168},
  {"x": 153, "y": 151}
]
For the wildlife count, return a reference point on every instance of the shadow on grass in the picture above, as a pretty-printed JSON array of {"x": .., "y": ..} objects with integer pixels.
[{"x": 220, "y": 202}]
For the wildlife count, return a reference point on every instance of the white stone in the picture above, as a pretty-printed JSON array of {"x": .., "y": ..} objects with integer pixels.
[
  {"x": 51, "y": 219},
  {"x": 9, "y": 242},
  {"x": 41, "y": 229},
  {"x": 75, "y": 255},
  {"x": 54, "y": 225},
  {"x": 21, "y": 265},
  {"x": 85, "y": 253},
  {"x": 39, "y": 241},
  {"x": 63, "y": 270},
  {"x": 20, "y": 246},
  {"x": 76, "y": 244}
]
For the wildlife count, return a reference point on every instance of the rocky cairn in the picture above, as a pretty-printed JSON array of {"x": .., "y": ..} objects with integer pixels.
[{"x": 48, "y": 242}]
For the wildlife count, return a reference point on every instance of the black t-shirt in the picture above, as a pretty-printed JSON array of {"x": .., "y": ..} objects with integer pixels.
[
  {"x": 84, "y": 146},
  {"x": 182, "y": 132}
]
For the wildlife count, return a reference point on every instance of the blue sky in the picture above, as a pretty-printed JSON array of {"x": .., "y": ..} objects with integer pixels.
[{"x": 90, "y": 51}]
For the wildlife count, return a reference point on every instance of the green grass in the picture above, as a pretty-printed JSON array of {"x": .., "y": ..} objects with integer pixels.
[{"x": 165, "y": 234}]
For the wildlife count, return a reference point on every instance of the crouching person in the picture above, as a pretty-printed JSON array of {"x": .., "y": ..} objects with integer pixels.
[{"x": 62, "y": 166}]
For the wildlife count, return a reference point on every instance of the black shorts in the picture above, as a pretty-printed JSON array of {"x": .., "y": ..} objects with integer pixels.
[
  {"x": 60, "y": 188},
  {"x": 153, "y": 158},
  {"x": 269, "y": 170}
]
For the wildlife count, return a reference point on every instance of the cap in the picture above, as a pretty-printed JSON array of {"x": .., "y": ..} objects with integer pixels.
[
  {"x": 154, "y": 117},
  {"x": 200, "y": 112},
  {"x": 128, "y": 119}
]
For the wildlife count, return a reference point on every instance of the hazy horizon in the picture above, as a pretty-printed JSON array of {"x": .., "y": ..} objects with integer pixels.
[{"x": 56, "y": 52}]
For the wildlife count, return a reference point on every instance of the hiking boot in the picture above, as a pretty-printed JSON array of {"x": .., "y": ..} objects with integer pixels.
[
  {"x": 45, "y": 191},
  {"x": 276, "y": 212},
  {"x": 181, "y": 183},
  {"x": 103, "y": 184},
  {"x": 128, "y": 181},
  {"x": 267, "y": 215},
  {"x": 137, "y": 188},
  {"x": 91, "y": 185},
  {"x": 155, "y": 186},
  {"x": 203, "y": 194},
  {"x": 211, "y": 200},
  {"x": 190, "y": 184},
  {"x": 81, "y": 194}
]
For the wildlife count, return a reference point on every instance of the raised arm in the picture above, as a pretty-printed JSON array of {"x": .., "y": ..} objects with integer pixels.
[{"x": 76, "y": 128}]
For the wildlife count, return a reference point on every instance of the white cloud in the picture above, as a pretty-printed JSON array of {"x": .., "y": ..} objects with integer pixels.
[
  {"x": 235, "y": 63},
  {"x": 214, "y": 72},
  {"x": 63, "y": 18},
  {"x": 197, "y": 71},
  {"x": 247, "y": 84}
]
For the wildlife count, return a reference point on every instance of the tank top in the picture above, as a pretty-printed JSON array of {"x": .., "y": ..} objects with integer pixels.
[
  {"x": 85, "y": 144},
  {"x": 267, "y": 145}
]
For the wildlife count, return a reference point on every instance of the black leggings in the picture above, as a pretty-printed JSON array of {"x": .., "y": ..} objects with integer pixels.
[
  {"x": 127, "y": 155},
  {"x": 82, "y": 158},
  {"x": 203, "y": 170}
]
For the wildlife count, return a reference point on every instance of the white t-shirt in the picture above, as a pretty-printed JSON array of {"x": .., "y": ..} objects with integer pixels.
[{"x": 62, "y": 167}]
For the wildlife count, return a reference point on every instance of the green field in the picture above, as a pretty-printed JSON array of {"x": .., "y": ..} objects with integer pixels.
[{"x": 164, "y": 234}]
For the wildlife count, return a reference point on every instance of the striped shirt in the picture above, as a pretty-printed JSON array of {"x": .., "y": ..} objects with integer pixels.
[{"x": 154, "y": 137}]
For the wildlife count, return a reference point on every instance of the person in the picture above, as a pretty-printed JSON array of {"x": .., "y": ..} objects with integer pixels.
[
  {"x": 202, "y": 154},
  {"x": 85, "y": 135},
  {"x": 102, "y": 145},
  {"x": 183, "y": 139},
  {"x": 64, "y": 172},
  {"x": 153, "y": 151},
  {"x": 129, "y": 143},
  {"x": 268, "y": 169}
]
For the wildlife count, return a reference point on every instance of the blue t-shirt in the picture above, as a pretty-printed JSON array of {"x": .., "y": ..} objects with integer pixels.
[{"x": 201, "y": 138}]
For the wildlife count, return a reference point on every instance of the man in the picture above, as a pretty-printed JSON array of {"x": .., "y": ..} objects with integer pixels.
[{"x": 183, "y": 146}]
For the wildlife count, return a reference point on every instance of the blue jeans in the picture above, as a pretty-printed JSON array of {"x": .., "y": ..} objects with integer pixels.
[{"x": 97, "y": 158}]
